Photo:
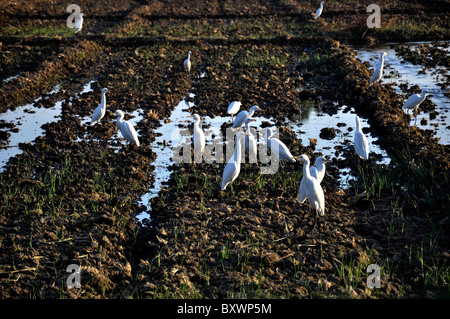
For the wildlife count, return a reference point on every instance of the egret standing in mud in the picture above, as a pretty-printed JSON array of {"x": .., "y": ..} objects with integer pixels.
[
  {"x": 233, "y": 108},
  {"x": 318, "y": 170},
  {"x": 378, "y": 73},
  {"x": 413, "y": 102},
  {"x": 361, "y": 143},
  {"x": 310, "y": 189},
  {"x": 199, "y": 138},
  {"x": 233, "y": 167},
  {"x": 278, "y": 148},
  {"x": 250, "y": 144},
  {"x": 187, "y": 62},
  {"x": 127, "y": 130},
  {"x": 319, "y": 11},
  {"x": 100, "y": 111},
  {"x": 79, "y": 23},
  {"x": 243, "y": 116}
]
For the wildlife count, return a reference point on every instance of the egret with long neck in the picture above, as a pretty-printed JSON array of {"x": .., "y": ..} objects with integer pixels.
[
  {"x": 311, "y": 189},
  {"x": 378, "y": 73},
  {"x": 242, "y": 116},
  {"x": 233, "y": 167},
  {"x": 278, "y": 148},
  {"x": 199, "y": 139},
  {"x": 361, "y": 143},
  {"x": 251, "y": 147},
  {"x": 127, "y": 130},
  {"x": 413, "y": 102},
  {"x": 100, "y": 111},
  {"x": 319, "y": 11},
  {"x": 318, "y": 170},
  {"x": 187, "y": 62}
]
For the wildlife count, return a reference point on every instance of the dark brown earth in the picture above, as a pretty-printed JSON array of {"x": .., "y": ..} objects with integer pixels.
[{"x": 67, "y": 202}]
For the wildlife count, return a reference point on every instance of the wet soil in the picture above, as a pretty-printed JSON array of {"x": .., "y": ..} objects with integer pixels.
[{"x": 72, "y": 196}]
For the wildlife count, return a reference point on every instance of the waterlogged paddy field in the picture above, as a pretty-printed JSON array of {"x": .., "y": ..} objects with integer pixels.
[{"x": 141, "y": 226}]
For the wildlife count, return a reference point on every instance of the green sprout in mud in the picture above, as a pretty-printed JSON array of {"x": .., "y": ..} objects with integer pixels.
[
  {"x": 309, "y": 61},
  {"x": 46, "y": 30}
]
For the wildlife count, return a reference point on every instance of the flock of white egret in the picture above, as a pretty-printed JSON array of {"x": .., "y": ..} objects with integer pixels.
[{"x": 310, "y": 187}]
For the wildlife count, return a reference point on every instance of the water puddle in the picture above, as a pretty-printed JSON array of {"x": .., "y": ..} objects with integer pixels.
[
  {"x": 87, "y": 88},
  {"x": 313, "y": 121},
  {"x": 166, "y": 138},
  {"x": 9, "y": 79},
  {"x": 29, "y": 120},
  {"x": 399, "y": 71}
]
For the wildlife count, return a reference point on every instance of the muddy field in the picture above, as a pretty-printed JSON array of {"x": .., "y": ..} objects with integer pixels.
[{"x": 73, "y": 194}]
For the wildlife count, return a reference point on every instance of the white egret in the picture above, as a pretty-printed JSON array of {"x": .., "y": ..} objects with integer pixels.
[
  {"x": 127, "y": 130},
  {"x": 244, "y": 115},
  {"x": 79, "y": 24},
  {"x": 318, "y": 170},
  {"x": 278, "y": 148},
  {"x": 250, "y": 144},
  {"x": 360, "y": 142},
  {"x": 413, "y": 102},
  {"x": 100, "y": 111},
  {"x": 187, "y": 62},
  {"x": 378, "y": 72},
  {"x": 310, "y": 188},
  {"x": 234, "y": 107},
  {"x": 319, "y": 11},
  {"x": 199, "y": 136},
  {"x": 233, "y": 167}
]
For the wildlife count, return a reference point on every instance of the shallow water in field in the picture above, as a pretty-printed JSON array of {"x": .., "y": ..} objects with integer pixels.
[
  {"x": 166, "y": 137},
  {"x": 173, "y": 133},
  {"x": 397, "y": 72},
  {"x": 29, "y": 120},
  {"x": 9, "y": 79},
  {"x": 169, "y": 136},
  {"x": 313, "y": 121},
  {"x": 117, "y": 139}
]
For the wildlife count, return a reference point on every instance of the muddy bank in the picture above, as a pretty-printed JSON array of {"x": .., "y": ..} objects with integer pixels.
[{"x": 58, "y": 69}]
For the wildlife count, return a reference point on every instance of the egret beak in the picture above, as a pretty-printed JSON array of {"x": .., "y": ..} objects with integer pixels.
[{"x": 189, "y": 116}]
